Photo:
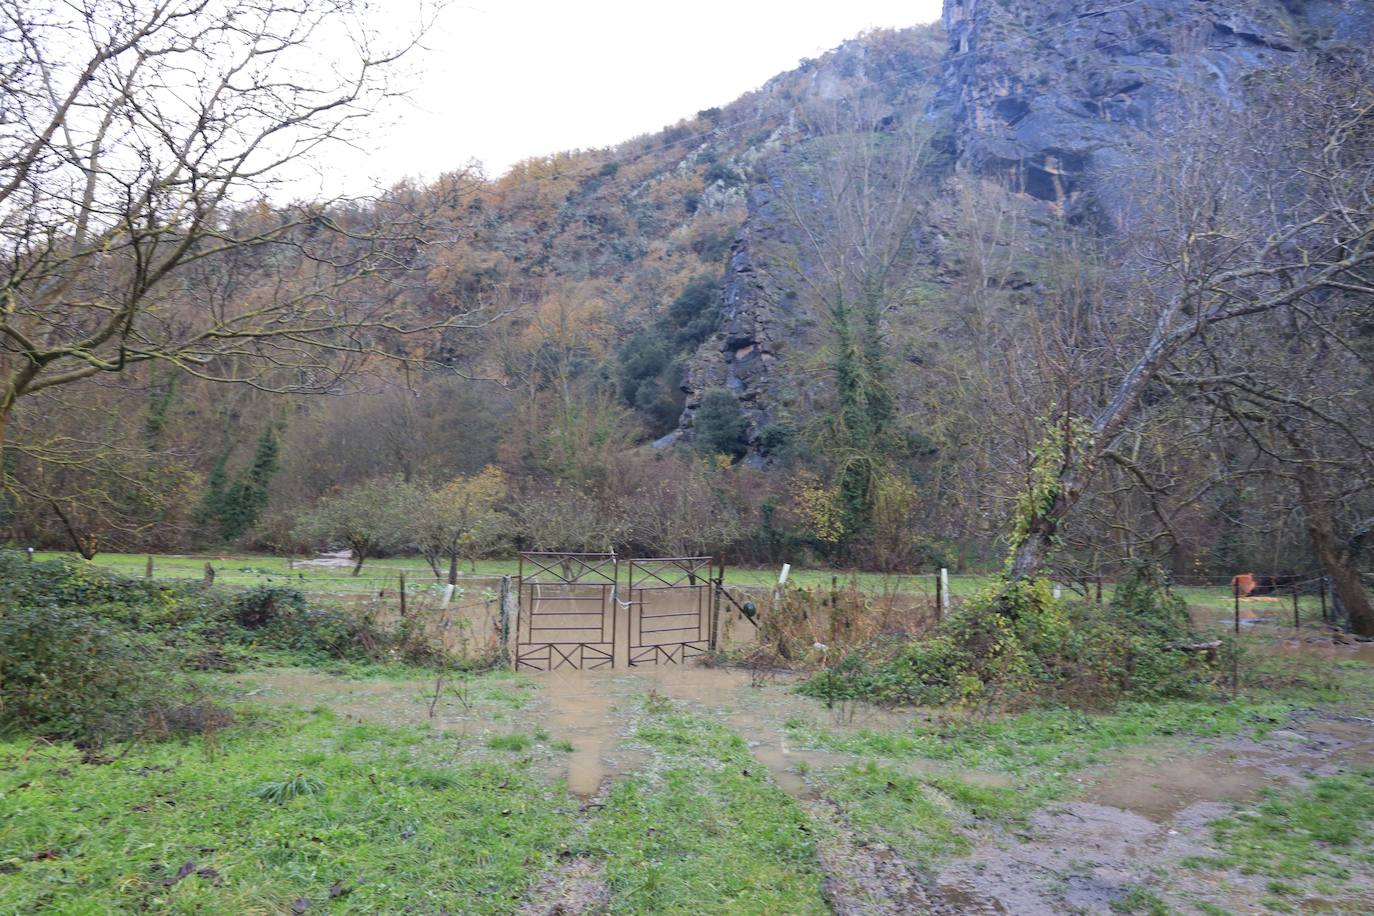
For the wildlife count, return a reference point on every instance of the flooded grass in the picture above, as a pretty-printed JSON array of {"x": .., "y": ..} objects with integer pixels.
[
  {"x": 723, "y": 791},
  {"x": 704, "y": 830}
]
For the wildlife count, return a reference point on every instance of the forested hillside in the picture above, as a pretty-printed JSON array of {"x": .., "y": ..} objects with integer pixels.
[{"x": 1088, "y": 280}]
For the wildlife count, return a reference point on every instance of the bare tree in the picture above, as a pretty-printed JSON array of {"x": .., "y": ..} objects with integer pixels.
[
  {"x": 139, "y": 143},
  {"x": 851, "y": 190},
  {"x": 1285, "y": 228}
]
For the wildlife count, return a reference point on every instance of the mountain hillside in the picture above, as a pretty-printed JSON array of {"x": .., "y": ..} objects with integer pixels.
[
  {"x": 1045, "y": 99},
  {"x": 847, "y": 315}
]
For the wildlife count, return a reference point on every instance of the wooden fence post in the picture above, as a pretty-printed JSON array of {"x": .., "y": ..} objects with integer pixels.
[
  {"x": 1297, "y": 624},
  {"x": 148, "y": 572},
  {"x": 403, "y": 598},
  {"x": 1321, "y": 590}
]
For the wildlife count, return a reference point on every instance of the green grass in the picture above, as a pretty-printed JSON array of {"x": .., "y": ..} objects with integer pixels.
[
  {"x": 1320, "y": 831},
  {"x": 705, "y": 831},
  {"x": 513, "y": 743},
  {"x": 1031, "y": 743},
  {"x": 391, "y": 822},
  {"x": 1139, "y": 900},
  {"x": 257, "y": 569},
  {"x": 927, "y": 817}
]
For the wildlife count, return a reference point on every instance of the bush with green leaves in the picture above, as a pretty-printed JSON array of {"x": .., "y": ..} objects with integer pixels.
[
  {"x": 65, "y": 673},
  {"x": 1144, "y": 595},
  {"x": 1019, "y": 645},
  {"x": 719, "y": 424}
]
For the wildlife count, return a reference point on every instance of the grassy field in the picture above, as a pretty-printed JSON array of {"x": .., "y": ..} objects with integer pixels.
[
  {"x": 397, "y": 817},
  {"x": 1209, "y": 602},
  {"x": 253, "y": 569},
  {"x": 363, "y": 784}
]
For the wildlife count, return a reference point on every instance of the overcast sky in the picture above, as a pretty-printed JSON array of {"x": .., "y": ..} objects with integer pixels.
[{"x": 503, "y": 80}]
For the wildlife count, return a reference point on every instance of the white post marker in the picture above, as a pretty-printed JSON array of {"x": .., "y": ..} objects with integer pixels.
[
  {"x": 448, "y": 596},
  {"x": 944, "y": 588},
  {"x": 782, "y": 577},
  {"x": 1057, "y": 593}
]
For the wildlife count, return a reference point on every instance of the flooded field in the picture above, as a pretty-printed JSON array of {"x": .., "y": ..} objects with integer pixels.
[{"x": 1125, "y": 819}]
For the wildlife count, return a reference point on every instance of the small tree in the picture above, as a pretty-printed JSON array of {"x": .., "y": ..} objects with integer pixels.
[
  {"x": 370, "y": 518},
  {"x": 719, "y": 425},
  {"x": 462, "y": 519}
]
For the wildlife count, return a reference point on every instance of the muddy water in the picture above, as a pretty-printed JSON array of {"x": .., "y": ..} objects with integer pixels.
[
  {"x": 1142, "y": 815},
  {"x": 1325, "y": 647},
  {"x": 577, "y": 708},
  {"x": 594, "y": 705},
  {"x": 1160, "y": 782}
]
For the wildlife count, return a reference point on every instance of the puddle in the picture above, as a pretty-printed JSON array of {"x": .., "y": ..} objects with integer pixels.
[
  {"x": 963, "y": 899},
  {"x": 576, "y": 706},
  {"x": 1146, "y": 785},
  {"x": 1326, "y": 648}
]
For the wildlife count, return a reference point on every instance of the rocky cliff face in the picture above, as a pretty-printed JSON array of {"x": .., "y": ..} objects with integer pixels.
[
  {"x": 762, "y": 321},
  {"x": 1046, "y": 97}
]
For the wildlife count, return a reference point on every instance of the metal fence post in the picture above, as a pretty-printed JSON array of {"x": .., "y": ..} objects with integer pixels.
[
  {"x": 715, "y": 606},
  {"x": 939, "y": 598},
  {"x": 506, "y": 617},
  {"x": 1235, "y": 590}
]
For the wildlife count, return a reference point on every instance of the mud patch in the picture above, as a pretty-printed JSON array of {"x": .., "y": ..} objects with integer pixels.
[
  {"x": 1140, "y": 817},
  {"x": 580, "y": 707},
  {"x": 577, "y": 886},
  {"x": 863, "y": 878}
]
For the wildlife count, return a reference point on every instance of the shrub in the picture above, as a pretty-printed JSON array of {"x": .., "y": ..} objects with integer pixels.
[
  {"x": 1018, "y": 644},
  {"x": 719, "y": 424},
  {"x": 1145, "y": 596},
  {"x": 265, "y": 604},
  {"x": 65, "y": 673},
  {"x": 719, "y": 171}
]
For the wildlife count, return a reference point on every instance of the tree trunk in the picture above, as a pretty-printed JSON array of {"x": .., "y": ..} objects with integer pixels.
[
  {"x": 453, "y": 568},
  {"x": 1335, "y": 561},
  {"x": 85, "y": 545},
  {"x": 358, "y": 567},
  {"x": 1030, "y": 556}
]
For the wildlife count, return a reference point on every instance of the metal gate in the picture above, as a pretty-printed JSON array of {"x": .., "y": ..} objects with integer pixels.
[
  {"x": 567, "y": 615},
  {"x": 670, "y": 609},
  {"x": 569, "y": 610}
]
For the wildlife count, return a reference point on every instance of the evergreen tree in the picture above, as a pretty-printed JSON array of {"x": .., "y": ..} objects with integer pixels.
[
  {"x": 211, "y": 505},
  {"x": 244, "y": 502}
]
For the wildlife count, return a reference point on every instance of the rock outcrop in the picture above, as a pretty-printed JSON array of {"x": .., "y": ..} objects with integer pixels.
[{"x": 1047, "y": 97}]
